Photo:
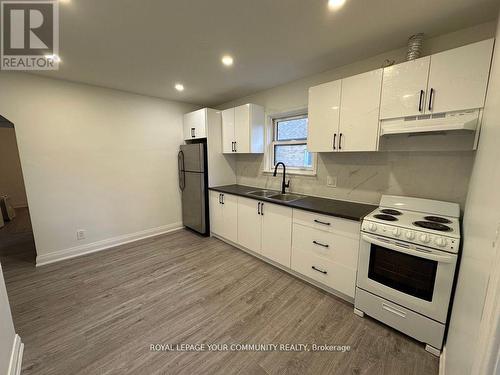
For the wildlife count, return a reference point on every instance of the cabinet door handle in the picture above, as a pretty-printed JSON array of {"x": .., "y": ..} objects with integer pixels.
[
  {"x": 321, "y": 222},
  {"x": 235, "y": 149},
  {"x": 340, "y": 141},
  {"x": 262, "y": 209},
  {"x": 420, "y": 100},
  {"x": 258, "y": 208},
  {"x": 193, "y": 132},
  {"x": 319, "y": 270},
  {"x": 222, "y": 198},
  {"x": 334, "y": 140},
  {"x": 430, "y": 99},
  {"x": 321, "y": 244}
]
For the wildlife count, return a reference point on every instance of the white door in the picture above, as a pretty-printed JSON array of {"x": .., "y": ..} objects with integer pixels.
[
  {"x": 359, "y": 112},
  {"x": 277, "y": 233},
  {"x": 242, "y": 128},
  {"x": 324, "y": 110},
  {"x": 195, "y": 124},
  {"x": 228, "y": 131},
  {"x": 458, "y": 78},
  {"x": 404, "y": 89},
  {"x": 249, "y": 224},
  {"x": 216, "y": 219},
  {"x": 230, "y": 217}
]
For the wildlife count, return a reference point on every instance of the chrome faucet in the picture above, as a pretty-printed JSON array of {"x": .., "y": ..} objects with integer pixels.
[{"x": 284, "y": 184}]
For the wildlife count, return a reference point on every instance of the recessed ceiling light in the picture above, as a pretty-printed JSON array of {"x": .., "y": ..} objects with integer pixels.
[
  {"x": 227, "y": 60},
  {"x": 335, "y": 4},
  {"x": 54, "y": 58},
  {"x": 179, "y": 87}
]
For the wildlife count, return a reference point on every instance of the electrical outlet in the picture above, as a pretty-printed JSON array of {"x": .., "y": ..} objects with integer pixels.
[
  {"x": 331, "y": 181},
  {"x": 80, "y": 234}
]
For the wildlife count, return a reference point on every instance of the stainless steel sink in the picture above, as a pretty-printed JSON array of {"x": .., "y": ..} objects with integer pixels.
[
  {"x": 263, "y": 193},
  {"x": 287, "y": 197}
]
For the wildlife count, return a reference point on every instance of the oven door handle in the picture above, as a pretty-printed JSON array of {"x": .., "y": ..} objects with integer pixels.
[{"x": 417, "y": 253}]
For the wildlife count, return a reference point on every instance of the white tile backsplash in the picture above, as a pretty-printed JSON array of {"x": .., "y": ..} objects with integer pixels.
[{"x": 364, "y": 177}]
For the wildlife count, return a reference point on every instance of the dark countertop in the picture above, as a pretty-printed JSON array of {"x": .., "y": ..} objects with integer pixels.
[{"x": 325, "y": 206}]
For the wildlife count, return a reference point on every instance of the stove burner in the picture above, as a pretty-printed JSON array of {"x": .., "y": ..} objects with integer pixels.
[
  {"x": 388, "y": 211},
  {"x": 433, "y": 226},
  {"x": 437, "y": 219},
  {"x": 385, "y": 217}
]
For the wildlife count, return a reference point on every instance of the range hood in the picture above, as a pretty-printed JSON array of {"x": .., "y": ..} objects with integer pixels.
[{"x": 440, "y": 122}]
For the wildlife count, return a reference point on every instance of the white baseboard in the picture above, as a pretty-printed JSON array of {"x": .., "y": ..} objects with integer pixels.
[
  {"x": 77, "y": 251},
  {"x": 16, "y": 357},
  {"x": 442, "y": 361}
]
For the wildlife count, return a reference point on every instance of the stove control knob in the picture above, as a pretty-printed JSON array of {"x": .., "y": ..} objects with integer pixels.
[
  {"x": 410, "y": 235},
  {"x": 424, "y": 238},
  {"x": 396, "y": 232},
  {"x": 440, "y": 241},
  {"x": 372, "y": 227}
]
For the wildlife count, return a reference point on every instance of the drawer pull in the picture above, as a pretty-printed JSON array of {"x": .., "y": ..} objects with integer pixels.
[
  {"x": 321, "y": 244},
  {"x": 318, "y": 270},
  {"x": 321, "y": 222},
  {"x": 394, "y": 311}
]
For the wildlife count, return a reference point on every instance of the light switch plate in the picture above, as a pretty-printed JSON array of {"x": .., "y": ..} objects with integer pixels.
[{"x": 331, "y": 181}]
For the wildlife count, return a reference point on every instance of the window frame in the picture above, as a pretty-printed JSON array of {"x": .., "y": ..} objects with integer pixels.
[{"x": 271, "y": 134}]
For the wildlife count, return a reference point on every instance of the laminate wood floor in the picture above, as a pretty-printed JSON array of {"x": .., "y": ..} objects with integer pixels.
[{"x": 99, "y": 314}]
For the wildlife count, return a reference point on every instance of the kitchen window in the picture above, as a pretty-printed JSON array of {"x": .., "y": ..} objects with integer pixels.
[{"x": 289, "y": 144}]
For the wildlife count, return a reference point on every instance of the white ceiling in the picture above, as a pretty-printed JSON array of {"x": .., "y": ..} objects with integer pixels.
[{"x": 146, "y": 46}]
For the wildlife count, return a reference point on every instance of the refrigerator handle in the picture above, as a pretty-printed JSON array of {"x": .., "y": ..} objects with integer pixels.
[{"x": 182, "y": 173}]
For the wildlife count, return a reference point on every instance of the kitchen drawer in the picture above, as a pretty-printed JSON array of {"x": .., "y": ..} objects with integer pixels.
[
  {"x": 331, "y": 274},
  {"x": 415, "y": 325},
  {"x": 327, "y": 223},
  {"x": 333, "y": 247}
]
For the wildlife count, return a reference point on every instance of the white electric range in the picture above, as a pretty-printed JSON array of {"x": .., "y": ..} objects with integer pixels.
[{"x": 406, "y": 269}]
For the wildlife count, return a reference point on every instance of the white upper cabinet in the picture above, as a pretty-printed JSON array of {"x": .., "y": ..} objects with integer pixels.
[
  {"x": 228, "y": 131},
  {"x": 458, "y": 78},
  {"x": 449, "y": 81},
  {"x": 324, "y": 116},
  {"x": 404, "y": 89},
  {"x": 359, "y": 112},
  {"x": 243, "y": 129},
  {"x": 344, "y": 114},
  {"x": 195, "y": 124}
]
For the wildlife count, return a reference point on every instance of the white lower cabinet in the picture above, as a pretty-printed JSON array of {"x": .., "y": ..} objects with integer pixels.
[
  {"x": 224, "y": 215},
  {"x": 249, "y": 224},
  {"x": 324, "y": 271},
  {"x": 277, "y": 233},
  {"x": 321, "y": 247},
  {"x": 326, "y": 249},
  {"x": 266, "y": 229}
]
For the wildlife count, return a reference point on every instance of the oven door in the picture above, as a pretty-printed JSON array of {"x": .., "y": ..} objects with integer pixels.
[{"x": 414, "y": 277}]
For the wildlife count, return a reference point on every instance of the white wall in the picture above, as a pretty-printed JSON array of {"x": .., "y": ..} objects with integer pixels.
[
  {"x": 366, "y": 176},
  {"x": 481, "y": 232},
  {"x": 7, "y": 332},
  {"x": 95, "y": 159},
  {"x": 11, "y": 177}
]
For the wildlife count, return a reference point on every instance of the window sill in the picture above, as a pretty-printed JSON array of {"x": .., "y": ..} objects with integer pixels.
[{"x": 295, "y": 172}]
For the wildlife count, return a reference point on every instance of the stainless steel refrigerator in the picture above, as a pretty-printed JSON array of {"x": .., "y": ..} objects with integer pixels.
[{"x": 193, "y": 182}]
